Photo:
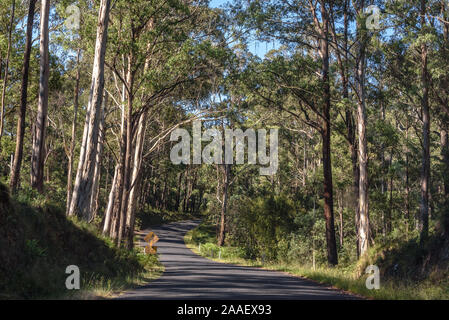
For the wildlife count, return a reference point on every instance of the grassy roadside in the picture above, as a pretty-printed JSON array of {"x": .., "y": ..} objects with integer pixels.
[
  {"x": 37, "y": 243},
  {"x": 202, "y": 241},
  {"x": 98, "y": 288}
]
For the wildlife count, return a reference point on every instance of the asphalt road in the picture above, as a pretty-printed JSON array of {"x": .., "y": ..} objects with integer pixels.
[{"x": 189, "y": 276}]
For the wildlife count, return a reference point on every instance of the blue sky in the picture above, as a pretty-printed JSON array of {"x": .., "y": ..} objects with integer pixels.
[
  {"x": 217, "y": 3},
  {"x": 256, "y": 47},
  {"x": 261, "y": 48}
]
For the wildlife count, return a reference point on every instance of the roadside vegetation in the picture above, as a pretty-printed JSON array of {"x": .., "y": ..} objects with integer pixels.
[
  {"x": 347, "y": 277},
  {"x": 38, "y": 243}
]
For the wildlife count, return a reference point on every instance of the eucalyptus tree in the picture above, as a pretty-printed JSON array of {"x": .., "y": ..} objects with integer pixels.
[
  {"x": 75, "y": 36},
  {"x": 39, "y": 129},
  {"x": 8, "y": 55},
  {"x": 304, "y": 28},
  {"x": 362, "y": 210},
  {"x": 71, "y": 149},
  {"x": 416, "y": 26},
  {"x": 341, "y": 45},
  {"x": 439, "y": 86},
  {"x": 425, "y": 109},
  {"x": 159, "y": 50},
  {"x": 18, "y": 155},
  {"x": 82, "y": 191}
]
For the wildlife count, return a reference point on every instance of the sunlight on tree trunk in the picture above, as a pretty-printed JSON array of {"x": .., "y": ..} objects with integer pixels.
[
  {"x": 38, "y": 149},
  {"x": 80, "y": 203}
]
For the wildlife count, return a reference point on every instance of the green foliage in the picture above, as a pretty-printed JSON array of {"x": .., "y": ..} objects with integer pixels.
[
  {"x": 350, "y": 278},
  {"x": 33, "y": 249},
  {"x": 204, "y": 233},
  {"x": 263, "y": 223},
  {"x": 153, "y": 216},
  {"x": 410, "y": 260},
  {"x": 202, "y": 238}
]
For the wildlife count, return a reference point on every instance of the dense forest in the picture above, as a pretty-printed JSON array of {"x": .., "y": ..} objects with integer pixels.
[{"x": 92, "y": 93}]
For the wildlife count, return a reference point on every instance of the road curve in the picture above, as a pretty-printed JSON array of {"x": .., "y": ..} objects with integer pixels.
[{"x": 189, "y": 276}]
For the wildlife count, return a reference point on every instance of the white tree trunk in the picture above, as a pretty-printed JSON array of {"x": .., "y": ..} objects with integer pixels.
[
  {"x": 73, "y": 139},
  {"x": 135, "y": 180},
  {"x": 82, "y": 192},
  {"x": 113, "y": 222},
  {"x": 108, "y": 214},
  {"x": 97, "y": 170},
  {"x": 37, "y": 157},
  {"x": 361, "y": 129}
]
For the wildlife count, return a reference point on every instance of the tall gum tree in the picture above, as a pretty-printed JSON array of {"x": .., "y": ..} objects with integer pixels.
[
  {"x": 39, "y": 129},
  {"x": 306, "y": 25},
  {"x": 8, "y": 57},
  {"x": 83, "y": 189},
  {"x": 153, "y": 58},
  {"x": 425, "y": 109},
  {"x": 341, "y": 48},
  {"x": 20, "y": 134},
  {"x": 363, "y": 215}
]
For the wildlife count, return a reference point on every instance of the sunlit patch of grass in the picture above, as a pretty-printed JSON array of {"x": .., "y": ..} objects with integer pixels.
[{"x": 342, "y": 278}]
